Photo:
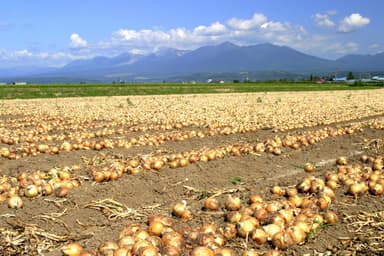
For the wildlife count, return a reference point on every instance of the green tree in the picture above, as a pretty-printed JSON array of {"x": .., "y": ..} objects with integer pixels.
[{"x": 350, "y": 76}]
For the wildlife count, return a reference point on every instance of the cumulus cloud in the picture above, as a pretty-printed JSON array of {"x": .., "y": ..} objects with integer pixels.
[
  {"x": 247, "y": 24},
  {"x": 257, "y": 29},
  {"x": 23, "y": 53},
  {"x": 323, "y": 20},
  {"x": 77, "y": 41},
  {"x": 353, "y": 22},
  {"x": 214, "y": 29}
]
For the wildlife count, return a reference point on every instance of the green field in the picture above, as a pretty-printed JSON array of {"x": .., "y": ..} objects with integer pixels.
[{"x": 85, "y": 90}]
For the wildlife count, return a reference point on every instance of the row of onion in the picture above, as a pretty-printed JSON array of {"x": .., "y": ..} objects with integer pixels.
[{"x": 270, "y": 226}]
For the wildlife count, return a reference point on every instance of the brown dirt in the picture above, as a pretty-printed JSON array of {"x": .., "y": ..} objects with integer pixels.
[{"x": 156, "y": 192}]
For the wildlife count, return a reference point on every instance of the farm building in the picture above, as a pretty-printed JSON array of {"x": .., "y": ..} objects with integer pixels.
[
  {"x": 19, "y": 83},
  {"x": 339, "y": 79}
]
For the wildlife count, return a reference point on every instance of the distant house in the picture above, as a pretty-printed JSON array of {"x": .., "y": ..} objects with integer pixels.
[
  {"x": 378, "y": 78},
  {"x": 19, "y": 83},
  {"x": 339, "y": 79},
  {"x": 211, "y": 81}
]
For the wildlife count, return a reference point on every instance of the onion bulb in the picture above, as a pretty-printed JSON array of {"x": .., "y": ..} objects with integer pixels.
[
  {"x": 211, "y": 204},
  {"x": 156, "y": 228},
  {"x": 271, "y": 230},
  {"x": 202, "y": 251},
  {"x": 224, "y": 252},
  {"x": 72, "y": 249},
  {"x": 15, "y": 202},
  {"x": 250, "y": 253},
  {"x": 259, "y": 236},
  {"x": 342, "y": 160},
  {"x": 309, "y": 167},
  {"x": 282, "y": 240},
  {"x": 233, "y": 203},
  {"x": 331, "y": 217}
]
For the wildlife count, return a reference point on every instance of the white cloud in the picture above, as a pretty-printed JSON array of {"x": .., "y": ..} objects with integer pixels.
[
  {"x": 248, "y": 24},
  {"x": 275, "y": 26},
  {"x": 214, "y": 29},
  {"x": 343, "y": 48},
  {"x": 77, "y": 41},
  {"x": 257, "y": 29},
  {"x": 323, "y": 20},
  {"x": 353, "y": 22},
  {"x": 375, "y": 46},
  {"x": 23, "y": 53}
]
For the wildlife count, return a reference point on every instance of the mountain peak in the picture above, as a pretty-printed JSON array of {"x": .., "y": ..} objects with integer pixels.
[
  {"x": 227, "y": 44},
  {"x": 224, "y": 57}
]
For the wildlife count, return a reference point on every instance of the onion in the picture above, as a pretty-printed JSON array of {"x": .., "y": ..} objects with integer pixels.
[
  {"x": 90, "y": 253},
  {"x": 233, "y": 217},
  {"x": 233, "y": 203},
  {"x": 332, "y": 184},
  {"x": 273, "y": 253},
  {"x": 183, "y": 162},
  {"x": 282, "y": 240},
  {"x": 61, "y": 191},
  {"x": 170, "y": 250},
  {"x": 331, "y": 217},
  {"x": 291, "y": 192},
  {"x": 186, "y": 215},
  {"x": 130, "y": 229},
  {"x": 156, "y": 228},
  {"x": 304, "y": 186},
  {"x": 31, "y": 191},
  {"x": 357, "y": 189},
  {"x": 148, "y": 251},
  {"x": 377, "y": 189},
  {"x": 211, "y": 204},
  {"x": 259, "y": 236},
  {"x": 15, "y": 202},
  {"x": 244, "y": 227},
  {"x": 303, "y": 225},
  {"x": 277, "y": 190},
  {"x": 208, "y": 228},
  {"x": 98, "y": 176},
  {"x": 126, "y": 241},
  {"x": 250, "y": 253},
  {"x": 172, "y": 238},
  {"x": 174, "y": 164},
  {"x": 229, "y": 231},
  {"x": 309, "y": 167},
  {"x": 72, "y": 249},
  {"x": 121, "y": 252},
  {"x": 297, "y": 234},
  {"x": 224, "y": 252},
  {"x": 317, "y": 185},
  {"x": 255, "y": 199},
  {"x": 157, "y": 165},
  {"x": 202, "y": 251},
  {"x": 108, "y": 246},
  {"x": 287, "y": 215},
  {"x": 271, "y": 230},
  {"x": 296, "y": 200},
  {"x": 342, "y": 160},
  {"x": 141, "y": 235},
  {"x": 139, "y": 246},
  {"x": 179, "y": 208}
]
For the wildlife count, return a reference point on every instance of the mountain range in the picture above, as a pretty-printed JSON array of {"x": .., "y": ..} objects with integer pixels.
[{"x": 262, "y": 61}]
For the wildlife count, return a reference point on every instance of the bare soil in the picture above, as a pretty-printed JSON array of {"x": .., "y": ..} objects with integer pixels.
[{"x": 151, "y": 192}]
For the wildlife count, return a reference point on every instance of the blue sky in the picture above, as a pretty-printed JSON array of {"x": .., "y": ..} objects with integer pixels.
[{"x": 52, "y": 33}]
